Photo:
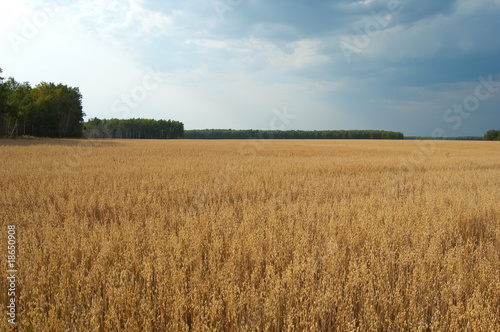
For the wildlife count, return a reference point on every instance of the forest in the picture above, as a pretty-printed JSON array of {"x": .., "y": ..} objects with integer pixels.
[
  {"x": 291, "y": 134},
  {"x": 47, "y": 110},
  {"x": 133, "y": 128}
]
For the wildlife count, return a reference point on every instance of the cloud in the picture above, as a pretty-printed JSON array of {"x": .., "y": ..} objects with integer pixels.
[
  {"x": 117, "y": 21},
  {"x": 245, "y": 53}
]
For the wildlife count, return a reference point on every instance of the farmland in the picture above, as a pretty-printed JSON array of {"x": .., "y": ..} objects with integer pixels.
[{"x": 177, "y": 235}]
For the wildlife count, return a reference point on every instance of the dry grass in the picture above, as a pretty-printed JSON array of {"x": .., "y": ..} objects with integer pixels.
[{"x": 282, "y": 235}]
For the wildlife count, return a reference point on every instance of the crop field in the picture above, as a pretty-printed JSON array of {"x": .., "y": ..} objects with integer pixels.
[{"x": 278, "y": 235}]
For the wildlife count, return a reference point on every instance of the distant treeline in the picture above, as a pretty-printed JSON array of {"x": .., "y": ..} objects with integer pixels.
[
  {"x": 290, "y": 134},
  {"x": 461, "y": 138},
  {"x": 47, "y": 109},
  {"x": 492, "y": 135},
  {"x": 133, "y": 128}
]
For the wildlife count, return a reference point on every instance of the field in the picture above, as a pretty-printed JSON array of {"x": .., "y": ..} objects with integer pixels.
[{"x": 283, "y": 235}]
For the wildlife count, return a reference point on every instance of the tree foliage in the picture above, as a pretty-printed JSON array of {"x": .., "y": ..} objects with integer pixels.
[
  {"x": 133, "y": 128},
  {"x": 47, "y": 110},
  {"x": 492, "y": 135},
  {"x": 442, "y": 138},
  {"x": 291, "y": 134}
]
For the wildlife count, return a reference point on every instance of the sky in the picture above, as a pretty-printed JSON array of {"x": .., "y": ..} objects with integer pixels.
[{"x": 424, "y": 68}]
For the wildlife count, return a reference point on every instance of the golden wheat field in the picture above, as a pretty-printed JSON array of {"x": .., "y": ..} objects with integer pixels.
[{"x": 282, "y": 235}]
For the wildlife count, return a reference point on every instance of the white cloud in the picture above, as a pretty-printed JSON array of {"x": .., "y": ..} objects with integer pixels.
[
  {"x": 117, "y": 21},
  {"x": 240, "y": 55},
  {"x": 306, "y": 52},
  {"x": 233, "y": 47}
]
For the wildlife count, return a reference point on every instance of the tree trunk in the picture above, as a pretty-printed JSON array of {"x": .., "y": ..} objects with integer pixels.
[{"x": 13, "y": 129}]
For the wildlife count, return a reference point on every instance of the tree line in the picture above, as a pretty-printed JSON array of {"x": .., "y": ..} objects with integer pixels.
[
  {"x": 433, "y": 138},
  {"x": 492, "y": 135},
  {"x": 47, "y": 110},
  {"x": 133, "y": 128},
  {"x": 291, "y": 134}
]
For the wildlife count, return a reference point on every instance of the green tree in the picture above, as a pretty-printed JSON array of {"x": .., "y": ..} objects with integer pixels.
[
  {"x": 3, "y": 104},
  {"x": 14, "y": 105},
  {"x": 492, "y": 135},
  {"x": 57, "y": 110},
  {"x": 19, "y": 106}
]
